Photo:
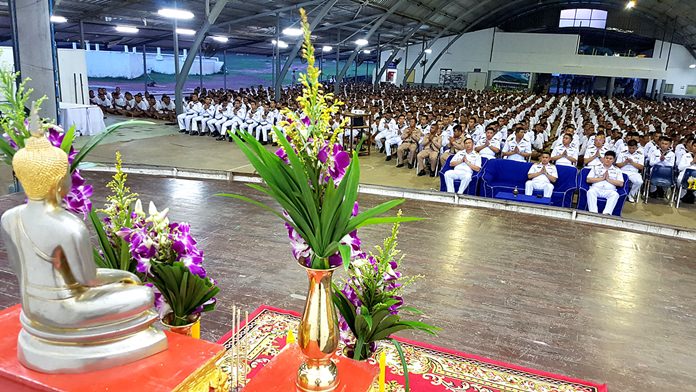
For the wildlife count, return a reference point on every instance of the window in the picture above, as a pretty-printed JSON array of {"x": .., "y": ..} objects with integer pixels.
[
  {"x": 690, "y": 90},
  {"x": 669, "y": 88},
  {"x": 583, "y": 17}
]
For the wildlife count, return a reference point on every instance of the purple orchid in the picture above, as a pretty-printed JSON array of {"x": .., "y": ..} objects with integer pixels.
[{"x": 338, "y": 161}]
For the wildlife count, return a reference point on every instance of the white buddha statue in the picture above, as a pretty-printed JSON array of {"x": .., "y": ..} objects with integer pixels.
[{"x": 75, "y": 317}]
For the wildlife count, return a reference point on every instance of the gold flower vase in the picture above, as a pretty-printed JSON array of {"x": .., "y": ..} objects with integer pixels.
[
  {"x": 318, "y": 335},
  {"x": 193, "y": 328}
]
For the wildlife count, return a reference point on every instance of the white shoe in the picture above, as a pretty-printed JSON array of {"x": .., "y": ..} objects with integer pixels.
[{"x": 631, "y": 199}]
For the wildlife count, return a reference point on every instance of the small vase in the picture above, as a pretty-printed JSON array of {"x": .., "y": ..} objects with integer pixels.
[
  {"x": 192, "y": 329},
  {"x": 318, "y": 335}
]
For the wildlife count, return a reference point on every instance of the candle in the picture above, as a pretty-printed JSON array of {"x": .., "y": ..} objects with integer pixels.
[{"x": 382, "y": 370}]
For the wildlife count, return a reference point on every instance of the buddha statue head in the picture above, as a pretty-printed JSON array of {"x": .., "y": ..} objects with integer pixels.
[{"x": 41, "y": 168}]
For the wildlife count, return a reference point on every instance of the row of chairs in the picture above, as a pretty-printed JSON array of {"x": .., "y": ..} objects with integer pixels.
[
  {"x": 503, "y": 175},
  {"x": 667, "y": 177}
]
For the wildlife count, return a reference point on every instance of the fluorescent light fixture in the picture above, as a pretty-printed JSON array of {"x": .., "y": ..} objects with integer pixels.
[
  {"x": 428, "y": 51},
  {"x": 367, "y": 51},
  {"x": 58, "y": 19},
  {"x": 281, "y": 44},
  {"x": 361, "y": 42},
  {"x": 127, "y": 29},
  {"x": 175, "y": 13},
  {"x": 220, "y": 38},
  {"x": 292, "y": 31},
  {"x": 326, "y": 48},
  {"x": 630, "y": 4},
  {"x": 181, "y": 31},
  {"x": 692, "y": 66}
]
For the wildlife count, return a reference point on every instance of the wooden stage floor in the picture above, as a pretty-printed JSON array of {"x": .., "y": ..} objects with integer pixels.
[{"x": 585, "y": 301}]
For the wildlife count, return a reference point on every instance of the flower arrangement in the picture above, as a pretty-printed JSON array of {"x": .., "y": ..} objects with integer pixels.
[
  {"x": 163, "y": 253},
  {"x": 312, "y": 178},
  {"x": 15, "y": 127},
  {"x": 370, "y": 302}
]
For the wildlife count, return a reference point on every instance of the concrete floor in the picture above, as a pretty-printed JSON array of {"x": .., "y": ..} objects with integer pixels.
[{"x": 162, "y": 145}]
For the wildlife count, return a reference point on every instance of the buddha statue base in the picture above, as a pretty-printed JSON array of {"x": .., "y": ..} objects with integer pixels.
[{"x": 67, "y": 351}]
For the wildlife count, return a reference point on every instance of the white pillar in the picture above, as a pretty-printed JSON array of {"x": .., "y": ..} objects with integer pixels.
[
  {"x": 74, "y": 45},
  {"x": 86, "y": 45},
  {"x": 135, "y": 49},
  {"x": 96, "y": 47},
  {"x": 125, "y": 48},
  {"x": 185, "y": 53},
  {"x": 159, "y": 54}
]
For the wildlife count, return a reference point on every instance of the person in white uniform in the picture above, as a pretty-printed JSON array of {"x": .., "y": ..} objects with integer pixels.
[
  {"x": 687, "y": 161},
  {"x": 565, "y": 154},
  {"x": 604, "y": 180},
  {"x": 541, "y": 176},
  {"x": 191, "y": 110},
  {"x": 207, "y": 112},
  {"x": 595, "y": 151},
  {"x": 661, "y": 156},
  {"x": 386, "y": 128},
  {"x": 464, "y": 164},
  {"x": 488, "y": 146},
  {"x": 517, "y": 147},
  {"x": 630, "y": 161}
]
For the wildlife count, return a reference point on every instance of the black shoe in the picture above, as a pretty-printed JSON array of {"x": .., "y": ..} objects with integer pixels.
[
  {"x": 388, "y": 158},
  {"x": 230, "y": 140},
  {"x": 421, "y": 173},
  {"x": 182, "y": 131},
  {"x": 410, "y": 165},
  {"x": 652, "y": 195},
  {"x": 264, "y": 143},
  {"x": 432, "y": 174},
  {"x": 400, "y": 165},
  {"x": 193, "y": 133},
  {"x": 215, "y": 134},
  {"x": 381, "y": 149},
  {"x": 202, "y": 133},
  {"x": 220, "y": 138}
]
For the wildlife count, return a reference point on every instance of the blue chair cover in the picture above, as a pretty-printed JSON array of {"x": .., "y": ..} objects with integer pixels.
[
  {"x": 601, "y": 202},
  {"x": 504, "y": 175},
  {"x": 662, "y": 176}
]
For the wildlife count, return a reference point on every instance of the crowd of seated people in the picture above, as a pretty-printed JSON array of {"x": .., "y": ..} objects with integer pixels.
[
  {"x": 138, "y": 105},
  {"x": 424, "y": 127}
]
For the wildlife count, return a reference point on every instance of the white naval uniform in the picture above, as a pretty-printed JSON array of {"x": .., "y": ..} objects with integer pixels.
[
  {"x": 686, "y": 162},
  {"x": 523, "y": 145},
  {"x": 571, "y": 152},
  {"x": 394, "y": 139},
  {"x": 203, "y": 116},
  {"x": 631, "y": 171},
  {"x": 655, "y": 160},
  {"x": 486, "y": 152},
  {"x": 191, "y": 110},
  {"x": 227, "y": 112},
  {"x": 238, "y": 118},
  {"x": 385, "y": 130},
  {"x": 591, "y": 150},
  {"x": 603, "y": 188},
  {"x": 540, "y": 182},
  {"x": 462, "y": 171}
]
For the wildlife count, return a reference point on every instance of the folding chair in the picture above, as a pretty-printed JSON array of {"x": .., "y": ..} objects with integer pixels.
[
  {"x": 661, "y": 176},
  {"x": 684, "y": 183}
]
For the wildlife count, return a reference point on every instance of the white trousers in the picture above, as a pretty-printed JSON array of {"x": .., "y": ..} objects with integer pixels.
[
  {"x": 184, "y": 120},
  {"x": 380, "y": 137},
  {"x": 462, "y": 175},
  {"x": 530, "y": 186},
  {"x": 611, "y": 195},
  {"x": 214, "y": 124},
  {"x": 636, "y": 183},
  {"x": 391, "y": 141},
  {"x": 261, "y": 130},
  {"x": 195, "y": 120}
]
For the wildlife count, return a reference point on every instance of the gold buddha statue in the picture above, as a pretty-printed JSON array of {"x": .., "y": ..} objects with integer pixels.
[{"x": 75, "y": 317}]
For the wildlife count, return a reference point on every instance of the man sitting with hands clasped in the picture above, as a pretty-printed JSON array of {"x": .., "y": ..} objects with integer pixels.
[
  {"x": 464, "y": 164},
  {"x": 541, "y": 176},
  {"x": 604, "y": 178}
]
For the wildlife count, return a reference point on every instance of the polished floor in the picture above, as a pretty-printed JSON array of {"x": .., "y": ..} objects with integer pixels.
[
  {"x": 576, "y": 299},
  {"x": 163, "y": 146}
]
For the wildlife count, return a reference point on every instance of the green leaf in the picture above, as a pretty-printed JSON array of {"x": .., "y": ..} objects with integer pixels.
[
  {"x": 357, "y": 355},
  {"x": 68, "y": 139},
  {"x": 345, "y": 251},
  {"x": 404, "y": 364}
]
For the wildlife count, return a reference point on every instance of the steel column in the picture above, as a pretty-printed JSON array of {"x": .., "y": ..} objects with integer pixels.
[
  {"x": 200, "y": 36},
  {"x": 374, "y": 27},
  {"x": 178, "y": 101},
  {"x": 145, "y": 66},
  {"x": 298, "y": 45}
]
